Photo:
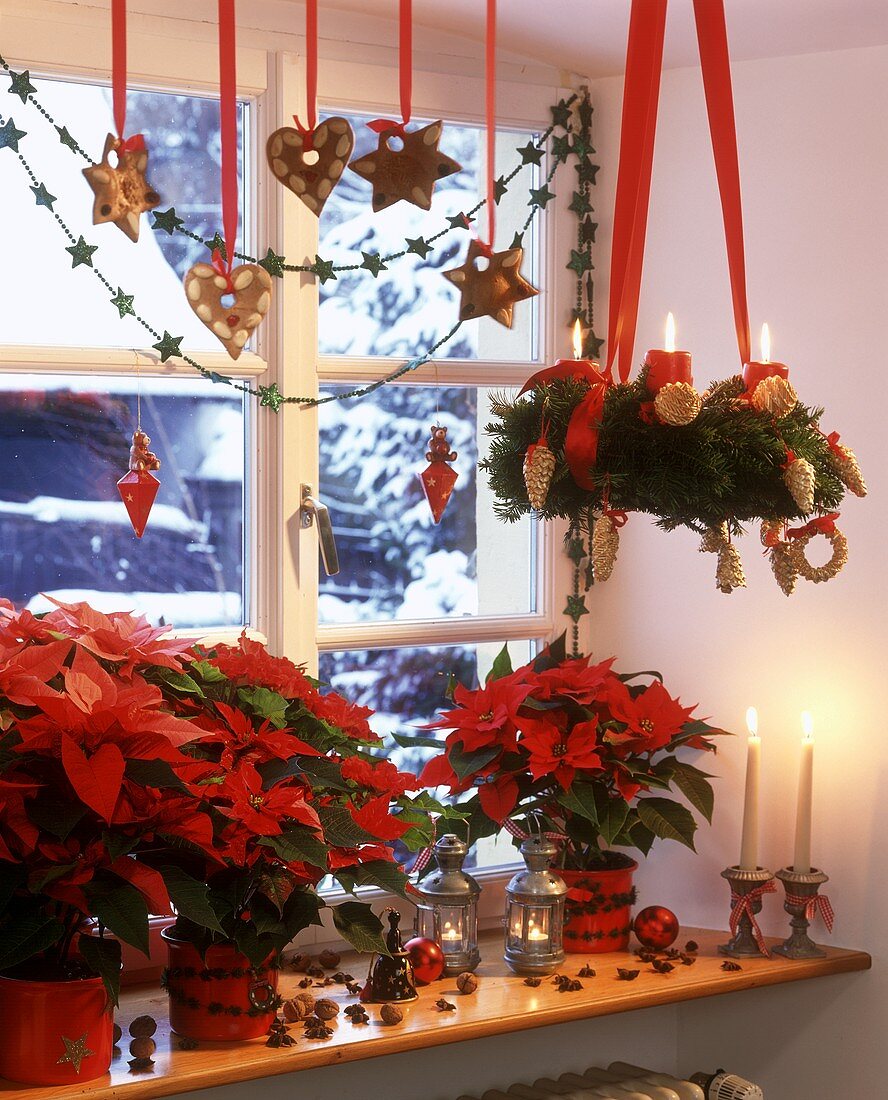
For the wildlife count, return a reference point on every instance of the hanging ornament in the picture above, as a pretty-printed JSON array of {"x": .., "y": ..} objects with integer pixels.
[
  {"x": 774, "y": 395},
  {"x": 826, "y": 526},
  {"x": 438, "y": 478},
  {"x": 122, "y": 193},
  {"x": 231, "y": 301},
  {"x": 798, "y": 476},
  {"x": 729, "y": 570},
  {"x": 310, "y": 160},
  {"x": 606, "y": 543},
  {"x": 539, "y": 466},
  {"x": 406, "y": 165},
  {"x": 714, "y": 538},
  {"x": 677, "y": 403},
  {"x": 844, "y": 462},
  {"x": 139, "y": 486},
  {"x": 781, "y": 555}
]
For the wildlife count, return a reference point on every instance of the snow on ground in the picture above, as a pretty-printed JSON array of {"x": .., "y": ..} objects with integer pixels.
[{"x": 176, "y": 609}]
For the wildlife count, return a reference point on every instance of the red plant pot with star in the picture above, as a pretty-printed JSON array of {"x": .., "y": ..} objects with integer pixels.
[
  {"x": 54, "y": 1032},
  {"x": 598, "y": 907}
]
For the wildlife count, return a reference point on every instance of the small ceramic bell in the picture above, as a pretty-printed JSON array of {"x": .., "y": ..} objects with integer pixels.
[{"x": 391, "y": 976}]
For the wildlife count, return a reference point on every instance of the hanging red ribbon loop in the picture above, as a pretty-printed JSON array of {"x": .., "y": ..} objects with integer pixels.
[
  {"x": 136, "y": 143},
  {"x": 581, "y": 440},
  {"x": 490, "y": 122},
  {"x": 617, "y": 516},
  {"x": 820, "y": 525},
  {"x": 311, "y": 76},
  {"x": 228, "y": 114},
  {"x": 405, "y": 58}
]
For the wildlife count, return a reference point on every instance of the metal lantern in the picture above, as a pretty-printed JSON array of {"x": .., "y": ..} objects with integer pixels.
[
  {"x": 448, "y": 912},
  {"x": 534, "y": 919}
]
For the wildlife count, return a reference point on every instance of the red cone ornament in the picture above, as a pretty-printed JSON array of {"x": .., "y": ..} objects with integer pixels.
[
  {"x": 427, "y": 959},
  {"x": 138, "y": 488},
  {"x": 656, "y": 927},
  {"x": 438, "y": 478}
]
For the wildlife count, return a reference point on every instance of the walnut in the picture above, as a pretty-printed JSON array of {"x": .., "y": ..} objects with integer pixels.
[
  {"x": 142, "y": 1048},
  {"x": 143, "y": 1027},
  {"x": 325, "y": 1009},
  {"x": 301, "y": 961},
  {"x": 329, "y": 959},
  {"x": 466, "y": 982},
  {"x": 298, "y": 1007},
  {"x": 391, "y": 1014}
]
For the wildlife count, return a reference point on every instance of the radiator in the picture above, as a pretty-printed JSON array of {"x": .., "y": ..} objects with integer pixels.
[{"x": 623, "y": 1081}]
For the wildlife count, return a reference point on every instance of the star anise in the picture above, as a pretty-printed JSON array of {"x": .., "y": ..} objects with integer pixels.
[{"x": 627, "y": 975}]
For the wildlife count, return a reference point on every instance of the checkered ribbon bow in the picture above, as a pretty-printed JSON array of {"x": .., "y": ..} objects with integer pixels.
[
  {"x": 743, "y": 903},
  {"x": 515, "y": 829},
  {"x": 811, "y": 905}
]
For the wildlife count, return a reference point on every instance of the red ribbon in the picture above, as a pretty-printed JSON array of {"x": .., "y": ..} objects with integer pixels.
[
  {"x": 820, "y": 525},
  {"x": 311, "y": 76},
  {"x": 228, "y": 118},
  {"x": 516, "y": 831},
  {"x": 712, "y": 38},
  {"x": 742, "y": 903},
  {"x": 833, "y": 440},
  {"x": 405, "y": 57},
  {"x": 566, "y": 368},
  {"x": 617, "y": 517},
  {"x": 811, "y": 906},
  {"x": 134, "y": 144},
  {"x": 118, "y": 65},
  {"x": 490, "y": 122},
  {"x": 581, "y": 440},
  {"x": 386, "y": 126}
]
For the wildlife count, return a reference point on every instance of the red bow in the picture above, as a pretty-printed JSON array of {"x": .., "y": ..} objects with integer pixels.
[
  {"x": 512, "y": 827},
  {"x": 617, "y": 517},
  {"x": 742, "y": 904},
  {"x": 388, "y": 126},
  {"x": 833, "y": 440},
  {"x": 134, "y": 144},
  {"x": 581, "y": 440},
  {"x": 812, "y": 905},
  {"x": 564, "y": 368},
  {"x": 820, "y": 525},
  {"x": 223, "y": 269}
]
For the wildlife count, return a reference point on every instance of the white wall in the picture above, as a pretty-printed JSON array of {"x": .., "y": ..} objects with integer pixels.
[{"x": 814, "y": 164}]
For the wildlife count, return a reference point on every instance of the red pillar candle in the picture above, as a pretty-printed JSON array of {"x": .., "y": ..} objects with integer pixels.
[
  {"x": 567, "y": 368},
  {"x": 666, "y": 364},
  {"x": 754, "y": 372}
]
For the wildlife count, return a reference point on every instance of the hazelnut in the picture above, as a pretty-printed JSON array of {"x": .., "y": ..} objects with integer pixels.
[
  {"x": 325, "y": 1009},
  {"x": 142, "y": 1048},
  {"x": 329, "y": 959},
  {"x": 143, "y": 1027},
  {"x": 391, "y": 1014},
  {"x": 118, "y": 1034},
  {"x": 301, "y": 961},
  {"x": 466, "y": 982}
]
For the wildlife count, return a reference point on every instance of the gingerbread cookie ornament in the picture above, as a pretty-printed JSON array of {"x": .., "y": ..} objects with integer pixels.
[
  {"x": 230, "y": 306},
  {"x": 122, "y": 193},
  {"x": 408, "y": 172},
  {"x": 490, "y": 284},
  {"x": 311, "y": 162}
]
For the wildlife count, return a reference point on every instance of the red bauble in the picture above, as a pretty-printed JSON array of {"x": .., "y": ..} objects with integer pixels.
[
  {"x": 656, "y": 927},
  {"x": 427, "y": 959}
]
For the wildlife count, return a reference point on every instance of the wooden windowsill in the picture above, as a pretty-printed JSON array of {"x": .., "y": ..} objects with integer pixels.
[{"x": 502, "y": 1004}]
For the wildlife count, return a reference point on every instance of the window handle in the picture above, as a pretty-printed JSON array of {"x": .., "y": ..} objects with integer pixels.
[{"x": 313, "y": 509}]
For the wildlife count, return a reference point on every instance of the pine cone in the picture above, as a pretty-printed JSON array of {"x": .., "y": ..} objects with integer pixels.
[
  {"x": 677, "y": 403},
  {"x": 539, "y": 466},
  {"x": 784, "y": 567},
  {"x": 714, "y": 539},
  {"x": 729, "y": 572},
  {"x": 799, "y": 479},
  {"x": 772, "y": 531},
  {"x": 774, "y": 395},
  {"x": 844, "y": 461},
  {"x": 605, "y": 544}
]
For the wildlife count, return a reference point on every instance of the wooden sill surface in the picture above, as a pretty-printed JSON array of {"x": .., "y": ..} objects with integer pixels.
[{"x": 501, "y": 1004}]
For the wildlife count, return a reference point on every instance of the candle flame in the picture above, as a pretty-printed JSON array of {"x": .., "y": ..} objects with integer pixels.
[
  {"x": 752, "y": 721},
  {"x": 670, "y": 332},
  {"x": 578, "y": 339},
  {"x": 766, "y": 343},
  {"x": 807, "y": 724}
]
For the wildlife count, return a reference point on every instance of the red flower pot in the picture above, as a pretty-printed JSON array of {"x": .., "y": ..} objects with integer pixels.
[
  {"x": 54, "y": 1033},
  {"x": 221, "y": 996},
  {"x": 597, "y": 915}
]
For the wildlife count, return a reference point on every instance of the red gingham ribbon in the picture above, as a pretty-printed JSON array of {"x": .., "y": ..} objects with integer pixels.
[
  {"x": 742, "y": 903},
  {"x": 422, "y": 860},
  {"x": 515, "y": 829},
  {"x": 811, "y": 906}
]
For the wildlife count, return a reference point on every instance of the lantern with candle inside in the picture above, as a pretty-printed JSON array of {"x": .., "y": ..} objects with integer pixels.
[
  {"x": 666, "y": 364},
  {"x": 448, "y": 909},
  {"x": 755, "y": 371},
  {"x": 534, "y": 917}
]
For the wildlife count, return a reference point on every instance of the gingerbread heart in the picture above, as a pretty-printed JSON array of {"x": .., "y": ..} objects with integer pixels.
[
  {"x": 311, "y": 165},
  {"x": 232, "y": 324}
]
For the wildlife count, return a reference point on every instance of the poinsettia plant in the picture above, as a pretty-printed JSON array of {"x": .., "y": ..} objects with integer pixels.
[{"x": 575, "y": 749}]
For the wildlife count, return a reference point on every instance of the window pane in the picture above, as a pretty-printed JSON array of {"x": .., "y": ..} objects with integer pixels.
[
  {"x": 63, "y": 529},
  {"x": 72, "y": 307},
  {"x": 407, "y": 687},
  {"x": 410, "y": 305},
  {"x": 395, "y": 562}
]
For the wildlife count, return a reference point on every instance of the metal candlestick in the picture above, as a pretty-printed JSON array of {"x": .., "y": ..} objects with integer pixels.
[
  {"x": 800, "y": 887},
  {"x": 743, "y": 943}
]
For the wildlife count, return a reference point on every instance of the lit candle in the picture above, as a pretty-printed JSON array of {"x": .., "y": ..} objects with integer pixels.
[
  {"x": 450, "y": 933},
  {"x": 754, "y": 372},
  {"x": 666, "y": 364},
  {"x": 750, "y": 834},
  {"x": 567, "y": 368},
  {"x": 801, "y": 860}
]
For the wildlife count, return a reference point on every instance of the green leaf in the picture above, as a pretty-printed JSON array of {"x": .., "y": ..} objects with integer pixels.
[
  {"x": 611, "y": 816},
  {"x": 692, "y": 782},
  {"x": 466, "y": 764},
  {"x": 502, "y": 665},
  {"x": 302, "y": 909},
  {"x": 376, "y": 872},
  {"x": 207, "y": 672},
  {"x": 668, "y": 820},
  {"x": 180, "y": 682},
  {"x": 122, "y": 909},
  {"x": 190, "y": 897},
  {"x": 266, "y": 704},
  {"x": 154, "y": 773},
  {"x": 357, "y": 923},
  {"x": 27, "y": 936},
  {"x": 102, "y": 956},
  {"x": 341, "y": 829},
  {"x": 641, "y": 837},
  {"x": 57, "y": 817},
  {"x": 580, "y": 799},
  {"x": 317, "y": 770},
  {"x": 416, "y": 741},
  {"x": 12, "y": 875},
  {"x": 299, "y": 844}
]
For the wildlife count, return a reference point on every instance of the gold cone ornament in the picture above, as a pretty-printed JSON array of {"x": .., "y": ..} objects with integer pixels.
[
  {"x": 844, "y": 461},
  {"x": 539, "y": 466},
  {"x": 729, "y": 571},
  {"x": 774, "y": 395},
  {"x": 714, "y": 539},
  {"x": 605, "y": 544},
  {"x": 677, "y": 403},
  {"x": 798, "y": 476},
  {"x": 784, "y": 567}
]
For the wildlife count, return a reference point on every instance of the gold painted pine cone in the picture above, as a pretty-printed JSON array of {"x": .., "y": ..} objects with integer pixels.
[
  {"x": 844, "y": 461},
  {"x": 799, "y": 479},
  {"x": 729, "y": 571},
  {"x": 677, "y": 403},
  {"x": 774, "y": 395},
  {"x": 539, "y": 466},
  {"x": 605, "y": 544},
  {"x": 784, "y": 567},
  {"x": 714, "y": 539}
]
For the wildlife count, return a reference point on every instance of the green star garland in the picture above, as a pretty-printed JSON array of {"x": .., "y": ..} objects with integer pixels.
[
  {"x": 20, "y": 85},
  {"x": 419, "y": 246},
  {"x": 42, "y": 197},
  {"x": 273, "y": 264},
  {"x": 9, "y": 136},
  {"x": 82, "y": 253},
  {"x": 168, "y": 346},
  {"x": 373, "y": 263},
  {"x": 167, "y": 220},
  {"x": 124, "y": 303}
]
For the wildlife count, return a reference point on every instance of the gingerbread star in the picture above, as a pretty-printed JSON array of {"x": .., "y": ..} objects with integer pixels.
[
  {"x": 493, "y": 290},
  {"x": 122, "y": 193},
  {"x": 408, "y": 173}
]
